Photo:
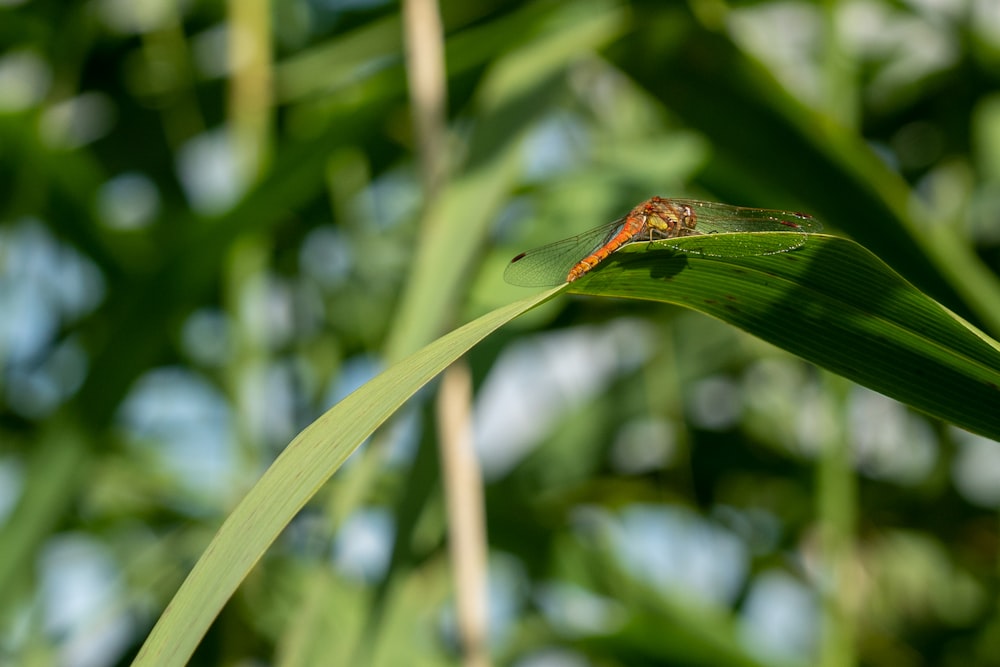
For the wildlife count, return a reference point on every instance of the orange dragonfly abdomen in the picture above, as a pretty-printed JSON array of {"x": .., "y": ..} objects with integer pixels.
[{"x": 656, "y": 217}]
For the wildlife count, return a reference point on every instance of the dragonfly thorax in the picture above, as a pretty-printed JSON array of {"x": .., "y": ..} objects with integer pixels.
[{"x": 666, "y": 219}]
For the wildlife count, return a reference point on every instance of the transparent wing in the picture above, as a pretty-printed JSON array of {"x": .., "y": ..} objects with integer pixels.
[
  {"x": 723, "y": 219},
  {"x": 550, "y": 264},
  {"x": 714, "y": 218}
]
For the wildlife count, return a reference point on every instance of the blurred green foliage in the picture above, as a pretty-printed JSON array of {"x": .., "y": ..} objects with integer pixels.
[{"x": 201, "y": 250}]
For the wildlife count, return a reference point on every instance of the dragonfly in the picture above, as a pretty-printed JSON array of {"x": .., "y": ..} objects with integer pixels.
[{"x": 657, "y": 219}]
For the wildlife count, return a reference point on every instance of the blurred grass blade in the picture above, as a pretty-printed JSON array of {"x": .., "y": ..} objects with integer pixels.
[
  {"x": 521, "y": 90},
  {"x": 833, "y": 303},
  {"x": 305, "y": 465}
]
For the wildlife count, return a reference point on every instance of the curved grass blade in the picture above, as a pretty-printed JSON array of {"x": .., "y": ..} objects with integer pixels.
[
  {"x": 830, "y": 302},
  {"x": 305, "y": 465}
]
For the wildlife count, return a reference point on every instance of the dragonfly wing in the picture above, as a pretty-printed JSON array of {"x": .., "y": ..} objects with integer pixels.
[
  {"x": 736, "y": 245},
  {"x": 715, "y": 218},
  {"x": 722, "y": 230},
  {"x": 550, "y": 264}
]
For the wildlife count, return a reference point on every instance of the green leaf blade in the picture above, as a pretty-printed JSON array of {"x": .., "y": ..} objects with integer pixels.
[
  {"x": 835, "y": 304},
  {"x": 305, "y": 465}
]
